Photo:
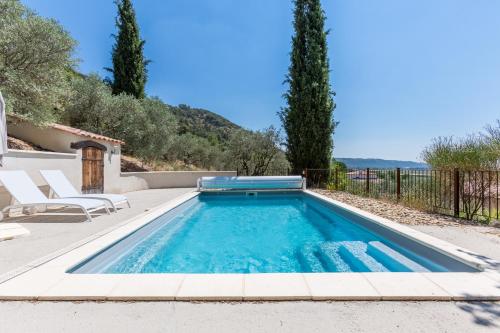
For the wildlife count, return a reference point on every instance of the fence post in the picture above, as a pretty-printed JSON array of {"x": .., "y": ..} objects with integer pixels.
[
  {"x": 398, "y": 184},
  {"x": 336, "y": 179},
  {"x": 456, "y": 193},
  {"x": 367, "y": 181}
]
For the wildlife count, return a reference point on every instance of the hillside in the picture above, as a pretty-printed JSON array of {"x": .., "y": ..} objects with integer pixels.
[
  {"x": 380, "y": 163},
  {"x": 203, "y": 123}
]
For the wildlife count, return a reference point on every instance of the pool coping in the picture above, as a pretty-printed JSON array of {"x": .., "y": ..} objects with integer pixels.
[{"x": 48, "y": 280}]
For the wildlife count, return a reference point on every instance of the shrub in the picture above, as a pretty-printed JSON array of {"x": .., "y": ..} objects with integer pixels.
[{"x": 473, "y": 152}]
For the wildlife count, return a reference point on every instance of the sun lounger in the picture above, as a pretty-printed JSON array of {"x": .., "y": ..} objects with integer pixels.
[
  {"x": 63, "y": 188},
  {"x": 27, "y": 194}
]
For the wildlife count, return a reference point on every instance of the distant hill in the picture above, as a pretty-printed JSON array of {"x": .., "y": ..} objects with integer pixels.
[
  {"x": 380, "y": 163},
  {"x": 203, "y": 123}
]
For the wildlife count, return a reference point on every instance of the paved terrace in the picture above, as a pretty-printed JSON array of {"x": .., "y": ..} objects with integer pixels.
[{"x": 47, "y": 238}]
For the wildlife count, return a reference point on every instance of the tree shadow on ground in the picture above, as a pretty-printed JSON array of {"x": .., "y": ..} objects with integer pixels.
[
  {"x": 484, "y": 313},
  {"x": 494, "y": 264}
]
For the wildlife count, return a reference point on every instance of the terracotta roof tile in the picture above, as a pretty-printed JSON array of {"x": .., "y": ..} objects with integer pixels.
[
  {"x": 69, "y": 129},
  {"x": 80, "y": 132}
]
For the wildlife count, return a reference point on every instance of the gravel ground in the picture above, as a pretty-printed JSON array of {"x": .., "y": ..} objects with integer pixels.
[{"x": 404, "y": 214}]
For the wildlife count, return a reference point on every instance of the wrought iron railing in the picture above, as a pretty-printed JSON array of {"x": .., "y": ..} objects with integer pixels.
[{"x": 471, "y": 194}]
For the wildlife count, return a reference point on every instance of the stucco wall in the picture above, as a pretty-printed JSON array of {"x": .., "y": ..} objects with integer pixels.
[
  {"x": 164, "y": 179},
  {"x": 33, "y": 161},
  {"x": 60, "y": 141},
  {"x": 44, "y": 137}
]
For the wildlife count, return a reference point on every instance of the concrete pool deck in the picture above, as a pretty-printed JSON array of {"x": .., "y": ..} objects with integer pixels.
[
  {"x": 47, "y": 279},
  {"x": 273, "y": 317}
]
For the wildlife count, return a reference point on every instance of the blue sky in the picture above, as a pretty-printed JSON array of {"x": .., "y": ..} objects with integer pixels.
[{"x": 403, "y": 71}]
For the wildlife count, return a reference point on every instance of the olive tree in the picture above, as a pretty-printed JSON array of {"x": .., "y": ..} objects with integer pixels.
[
  {"x": 35, "y": 62},
  {"x": 160, "y": 131},
  {"x": 193, "y": 150},
  {"x": 88, "y": 104},
  {"x": 256, "y": 153},
  {"x": 146, "y": 125}
]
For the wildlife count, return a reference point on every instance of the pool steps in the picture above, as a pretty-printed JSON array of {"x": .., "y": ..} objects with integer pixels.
[
  {"x": 329, "y": 254},
  {"x": 309, "y": 260},
  {"x": 372, "y": 257},
  {"x": 355, "y": 254},
  {"x": 381, "y": 250}
]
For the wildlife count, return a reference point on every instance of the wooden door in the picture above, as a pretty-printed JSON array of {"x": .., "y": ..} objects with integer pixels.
[{"x": 93, "y": 170}]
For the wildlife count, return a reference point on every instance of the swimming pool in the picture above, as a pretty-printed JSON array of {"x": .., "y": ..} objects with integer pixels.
[{"x": 265, "y": 232}]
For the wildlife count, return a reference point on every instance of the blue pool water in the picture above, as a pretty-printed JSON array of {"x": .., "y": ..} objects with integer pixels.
[{"x": 267, "y": 232}]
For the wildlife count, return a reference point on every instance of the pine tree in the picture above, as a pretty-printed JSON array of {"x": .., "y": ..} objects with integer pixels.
[
  {"x": 308, "y": 116},
  {"x": 129, "y": 66}
]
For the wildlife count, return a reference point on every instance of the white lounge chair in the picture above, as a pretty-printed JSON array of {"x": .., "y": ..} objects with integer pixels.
[
  {"x": 27, "y": 194},
  {"x": 63, "y": 188}
]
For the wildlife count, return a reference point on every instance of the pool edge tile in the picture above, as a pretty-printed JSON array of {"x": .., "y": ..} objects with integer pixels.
[
  {"x": 467, "y": 286},
  {"x": 84, "y": 287},
  {"x": 30, "y": 285},
  {"x": 276, "y": 286},
  {"x": 358, "y": 287},
  {"x": 410, "y": 286}
]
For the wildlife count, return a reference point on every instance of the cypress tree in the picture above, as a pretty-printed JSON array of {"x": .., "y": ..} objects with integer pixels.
[
  {"x": 129, "y": 66},
  {"x": 308, "y": 116}
]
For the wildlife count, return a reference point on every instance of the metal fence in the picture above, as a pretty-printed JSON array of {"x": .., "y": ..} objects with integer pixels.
[{"x": 468, "y": 194}]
